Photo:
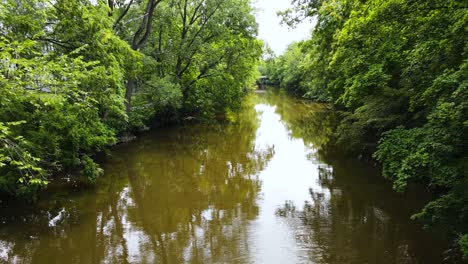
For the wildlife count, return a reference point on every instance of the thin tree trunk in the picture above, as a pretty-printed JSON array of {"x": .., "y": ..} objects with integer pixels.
[
  {"x": 131, "y": 84},
  {"x": 139, "y": 40}
]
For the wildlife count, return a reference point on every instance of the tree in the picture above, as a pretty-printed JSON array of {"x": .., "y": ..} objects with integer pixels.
[
  {"x": 62, "y": 89},
  {"x": 207, "y": 49},
  {"x": 140, "y": 38}
]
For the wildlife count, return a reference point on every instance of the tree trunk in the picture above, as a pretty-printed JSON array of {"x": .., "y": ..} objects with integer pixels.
[
  {"x": 131, "y": 84},
  {"x": 139, "y": 39}
]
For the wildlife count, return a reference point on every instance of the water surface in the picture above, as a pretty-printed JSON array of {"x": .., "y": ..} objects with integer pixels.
[{"x": 264, "y": 189}]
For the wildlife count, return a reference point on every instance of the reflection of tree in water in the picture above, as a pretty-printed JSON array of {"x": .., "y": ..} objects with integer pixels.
[
  {"x": 198, "y": 173},
  {"x": 357, "y": 219},
  {"x": 183, "y": 194},
  {"x": 312, "y": 122}
]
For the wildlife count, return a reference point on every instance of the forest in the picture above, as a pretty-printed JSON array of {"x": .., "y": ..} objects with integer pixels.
[
  {"x": 396, "y": 70},
  {"x": 78, "y": 75}
]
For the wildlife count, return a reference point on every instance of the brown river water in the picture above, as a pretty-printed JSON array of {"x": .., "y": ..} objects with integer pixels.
[{"x": 263, "y": 189}]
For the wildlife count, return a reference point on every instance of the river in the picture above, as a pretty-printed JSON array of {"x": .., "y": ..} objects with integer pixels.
[{"x": 263, "y": 189}]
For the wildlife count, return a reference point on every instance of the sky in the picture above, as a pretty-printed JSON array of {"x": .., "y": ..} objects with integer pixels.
[{"x": 276, "y": 35}]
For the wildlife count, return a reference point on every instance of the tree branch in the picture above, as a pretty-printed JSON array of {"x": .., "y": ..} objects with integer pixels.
[
  {"x": 124, "y": 13},
  {"x": 145, "y": 25}
]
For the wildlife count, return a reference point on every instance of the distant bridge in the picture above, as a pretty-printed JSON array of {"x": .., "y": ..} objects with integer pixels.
[{"x": 262, "y": 82}]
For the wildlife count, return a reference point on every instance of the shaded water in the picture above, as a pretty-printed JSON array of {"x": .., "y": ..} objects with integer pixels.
[{"x": 261, "y": 190}]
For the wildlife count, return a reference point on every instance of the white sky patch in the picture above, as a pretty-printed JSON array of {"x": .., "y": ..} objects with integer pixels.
[{"x": 276, "y": 35}]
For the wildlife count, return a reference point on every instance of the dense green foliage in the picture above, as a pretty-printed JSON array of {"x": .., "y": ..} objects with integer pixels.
[
  {"x": 62, "y": 79},
  {"x": 199, "y": 59},
  {"x": 285, "y": 71},
  {"x": 398, "y": 69},
  {"x": 69, "y": 70}
]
